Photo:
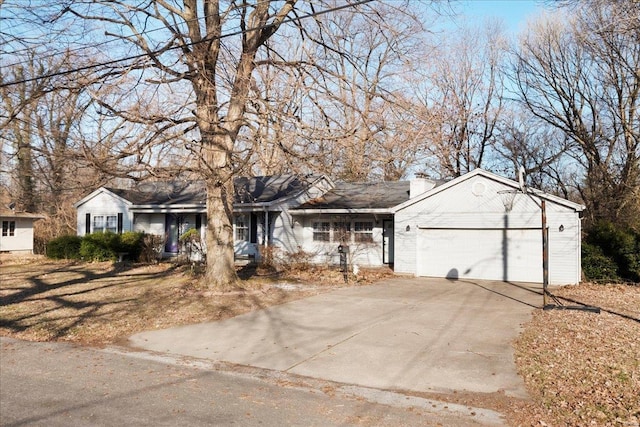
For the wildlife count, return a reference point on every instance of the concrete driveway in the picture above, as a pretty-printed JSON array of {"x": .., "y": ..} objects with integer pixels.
[{"x": 419, "y": 334}]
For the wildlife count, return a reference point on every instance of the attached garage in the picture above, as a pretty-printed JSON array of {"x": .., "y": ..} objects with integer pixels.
[
  {"x": 506, "y": 255},
  {"x": 483, "y": 226}
]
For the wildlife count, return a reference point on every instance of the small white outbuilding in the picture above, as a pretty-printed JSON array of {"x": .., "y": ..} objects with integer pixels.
[
  {"x": 483, "y": 226},
  {"x": 17, "y": 231}
]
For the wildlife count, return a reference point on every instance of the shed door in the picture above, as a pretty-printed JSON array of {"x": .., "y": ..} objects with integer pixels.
[{"x": 505, "y": 255}]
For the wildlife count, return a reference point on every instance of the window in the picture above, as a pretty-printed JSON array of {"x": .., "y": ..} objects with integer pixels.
[
  {"x": 98, "y": 223},
  {"x": 363, "y": 232},
  {"x": 242, "y": 228},
  {"x": 103, "y": 223},
  {"x": 321, "y": 231},
  {"x": 8, "y": 228},
  {"x": 112, "y": 223},
  {"x": 342, "y": 232}
]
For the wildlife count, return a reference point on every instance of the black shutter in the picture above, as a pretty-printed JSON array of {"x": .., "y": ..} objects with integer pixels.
[
  {"x": 253, "y": 235},
  {"x": 87, "y": 225},
  {"x": 120, "y": 222},
  {"x": 198, "y": 222}
]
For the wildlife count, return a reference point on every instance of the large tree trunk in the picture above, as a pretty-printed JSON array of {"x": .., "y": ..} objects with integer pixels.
[
  {"x": 218, "y": 173},
  {"x": 220, "y": 273}
]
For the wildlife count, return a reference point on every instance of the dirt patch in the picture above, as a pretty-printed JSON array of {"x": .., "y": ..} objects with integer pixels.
[{"x": 100, "y": 303}]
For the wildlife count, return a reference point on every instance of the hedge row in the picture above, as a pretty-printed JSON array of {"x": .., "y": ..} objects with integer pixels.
[{"x": 97, "y": 246}]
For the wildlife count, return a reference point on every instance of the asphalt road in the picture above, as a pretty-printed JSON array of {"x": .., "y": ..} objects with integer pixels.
[{"x": 58, "y": 384}]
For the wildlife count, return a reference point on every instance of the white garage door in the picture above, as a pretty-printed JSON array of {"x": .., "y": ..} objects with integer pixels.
[{"x": 506, "y": 255}]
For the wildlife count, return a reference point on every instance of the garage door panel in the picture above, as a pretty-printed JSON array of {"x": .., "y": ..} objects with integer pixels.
[{"x": 512, "y": 255}]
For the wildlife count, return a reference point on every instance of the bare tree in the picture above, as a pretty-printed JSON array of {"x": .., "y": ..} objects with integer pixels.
[
  {"x": 204, "y": 53},
  {"x": 186, "y": 74},
  {"x": 523, "y": 141},
  {"x": 342, "y": 108},
  {"x": 579, "y": 74},
  {"x": 464, "y": 95},
  {"x": 43, "y": 130},
  {"x": 17, "y": 130},
  {"x": 360, "y": 96}
]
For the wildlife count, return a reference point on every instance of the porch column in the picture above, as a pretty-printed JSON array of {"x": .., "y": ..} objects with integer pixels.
[{"x": 266, "y": 229}]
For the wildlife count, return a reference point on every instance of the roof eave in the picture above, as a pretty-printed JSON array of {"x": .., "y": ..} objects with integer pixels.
[
  {"x": 190, "y": 208},
  {"x": 95, "y": 193},
  {"x": 376, "y": 211},
  {"x": 506, "y": 181}
]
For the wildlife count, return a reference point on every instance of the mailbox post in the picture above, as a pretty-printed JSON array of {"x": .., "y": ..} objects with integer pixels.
[{"x": 343, "y": 250}]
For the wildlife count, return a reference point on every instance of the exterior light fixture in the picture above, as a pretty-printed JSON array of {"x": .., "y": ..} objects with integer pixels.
[
  {"x": 408, "y": 228},
  {"x": 561, "y": 228}
]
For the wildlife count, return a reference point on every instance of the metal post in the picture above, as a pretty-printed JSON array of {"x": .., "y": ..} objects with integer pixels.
[{"x": 545, "y": 253}]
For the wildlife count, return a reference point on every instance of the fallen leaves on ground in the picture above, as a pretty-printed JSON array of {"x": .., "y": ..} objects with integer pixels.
[
  {"x": 100, "y": 303},
  {"x": 583, "y": 368},
  {"x": 580, "y": 368}
]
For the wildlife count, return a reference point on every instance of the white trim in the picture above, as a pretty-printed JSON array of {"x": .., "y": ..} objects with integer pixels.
[
  {"x": 558, "y": 200},
  {"x": 369, "y": 211},
  {"x": 98, "y": 192},
  {"x": 176, "y": 209}
]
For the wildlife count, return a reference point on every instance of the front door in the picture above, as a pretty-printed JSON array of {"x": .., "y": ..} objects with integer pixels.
[
  {"x": 387, "y": 241},
  {"x": 171, "y": 234}
]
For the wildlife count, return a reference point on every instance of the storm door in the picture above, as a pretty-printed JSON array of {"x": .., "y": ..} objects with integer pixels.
[
  {"x": 387, "y": 241},
  {"x": 171, "y": 230}
]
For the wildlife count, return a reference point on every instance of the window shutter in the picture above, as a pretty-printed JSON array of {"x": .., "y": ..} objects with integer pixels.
[
  {"x": 120, "y": 222},
  {"x": 198, "y": 222},
  {"x": 87, "y": 225},
  {"x": 253, "y": 235}
]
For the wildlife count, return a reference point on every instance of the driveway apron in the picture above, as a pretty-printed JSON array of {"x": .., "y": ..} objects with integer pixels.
[{"x": 418, "y": 334}]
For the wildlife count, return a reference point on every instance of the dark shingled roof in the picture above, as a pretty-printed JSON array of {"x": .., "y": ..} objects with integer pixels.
[
  {"x": 264, "y": 189},
  {"x": 165, "y": 193},
  {"x": 261, "y": 189},
  {"x": 361, "y": 195}
]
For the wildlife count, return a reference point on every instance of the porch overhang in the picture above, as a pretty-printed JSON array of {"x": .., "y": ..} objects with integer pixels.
[
  {"x": 342, "y": 211},
  {"x": 172, "y": 209}
]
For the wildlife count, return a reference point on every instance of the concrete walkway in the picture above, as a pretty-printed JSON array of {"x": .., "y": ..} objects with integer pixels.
[{"x": 418, "y": 334}]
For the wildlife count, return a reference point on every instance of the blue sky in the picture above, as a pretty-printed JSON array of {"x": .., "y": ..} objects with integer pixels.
[{"x": 514, "y": 13}]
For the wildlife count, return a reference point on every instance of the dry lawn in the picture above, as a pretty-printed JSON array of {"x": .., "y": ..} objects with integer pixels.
[
  {"x": 580, "y": 368},
  {"x": 101, "y": 303}
]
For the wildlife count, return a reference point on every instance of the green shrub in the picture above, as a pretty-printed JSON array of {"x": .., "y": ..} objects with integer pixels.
[
  {"x": 596, "y": 266},
  {"x": 619, "y": 245},
  {"x": 100, "y": 247},
  {"x": 131, "y": 242},
  {"x": 64, "y": 247},
  {"x": 97, "y": 246}
]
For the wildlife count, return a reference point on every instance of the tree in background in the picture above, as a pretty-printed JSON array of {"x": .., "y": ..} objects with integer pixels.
[
  {"x": 464, "y": 96},
  {"x": 194, "y": 72},
  {"x": 579, "y": 74},
  {"x": 342, "y": 107},
  {"x": 42, "y": 137}
]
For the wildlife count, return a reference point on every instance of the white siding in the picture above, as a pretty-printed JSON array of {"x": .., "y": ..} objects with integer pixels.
[
  {"x": 405, "y": 249},
  {"x": 469, "y": 218},
  {"x": 283, "y": 231},
  {"x": 104, "y": 203},
  {"x": 362, "y": 254},
  {"x": 22, "y": 240},
  {"x": 286, "y": 232}
]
